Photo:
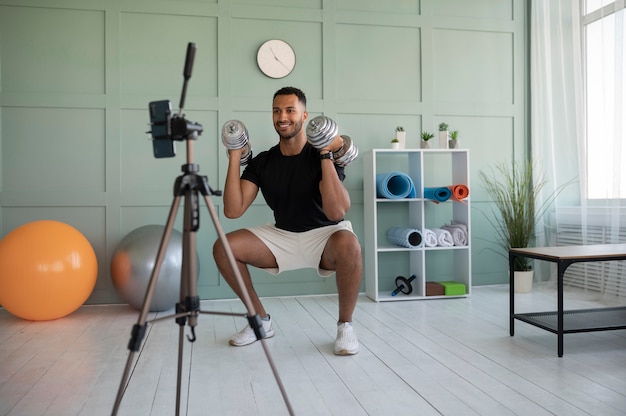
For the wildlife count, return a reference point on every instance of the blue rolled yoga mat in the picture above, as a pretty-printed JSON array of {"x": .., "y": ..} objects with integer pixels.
[
  {"x": 394, "y": 185},
  {"x": 441, "y": 194}
]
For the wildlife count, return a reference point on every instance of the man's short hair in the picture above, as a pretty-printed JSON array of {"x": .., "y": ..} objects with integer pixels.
[{"x": 292, "y": 90}]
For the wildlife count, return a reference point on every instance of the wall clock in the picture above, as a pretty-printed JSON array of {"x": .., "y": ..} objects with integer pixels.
[{"x": 276, "y": 58}]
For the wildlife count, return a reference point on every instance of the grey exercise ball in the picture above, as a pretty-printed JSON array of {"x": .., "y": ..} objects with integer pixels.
[{"x": 133, "y": 262}]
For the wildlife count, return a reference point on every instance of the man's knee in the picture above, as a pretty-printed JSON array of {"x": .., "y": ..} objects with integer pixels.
[
  {"x": 219, "y": 253},
  {"x": 345, "y": 248},
  {"x": 349, "y": 242},
  {"x": 247, "y": 248}
]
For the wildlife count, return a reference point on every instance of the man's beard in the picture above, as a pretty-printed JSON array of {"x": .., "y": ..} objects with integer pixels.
[{"x": 296, "y": 130}]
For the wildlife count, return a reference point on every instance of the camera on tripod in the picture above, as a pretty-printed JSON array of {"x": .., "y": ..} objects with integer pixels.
[{"x": 167, "y": 128}]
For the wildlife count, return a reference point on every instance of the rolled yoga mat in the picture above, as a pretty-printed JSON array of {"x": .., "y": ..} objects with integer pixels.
[
  {"x": 459, "y": 192},
  {"x": 441, "y": 194},
  {"x": 405, "y": 237},
  {"x": 394, "y": 185}
]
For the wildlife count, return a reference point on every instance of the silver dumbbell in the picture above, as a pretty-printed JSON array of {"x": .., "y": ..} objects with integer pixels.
[
  {"x": 235, "y": 136},
  {"x": 347, "y": 153},
  {"x": 322, "y": 132}
]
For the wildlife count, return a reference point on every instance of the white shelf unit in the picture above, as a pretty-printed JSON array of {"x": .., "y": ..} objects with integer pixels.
[{"x": 385, "y": 261}]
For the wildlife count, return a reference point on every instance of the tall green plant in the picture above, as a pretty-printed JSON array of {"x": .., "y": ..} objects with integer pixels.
[{"x": 514, "y": 192}]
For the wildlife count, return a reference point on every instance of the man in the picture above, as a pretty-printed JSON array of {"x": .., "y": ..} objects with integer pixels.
[{"x": 305, "y": 190}]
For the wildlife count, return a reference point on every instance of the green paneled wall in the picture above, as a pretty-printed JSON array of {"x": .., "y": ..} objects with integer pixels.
[{"x": 76, "y": 78}]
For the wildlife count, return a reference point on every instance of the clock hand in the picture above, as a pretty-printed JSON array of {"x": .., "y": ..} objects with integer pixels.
[{"x": 279, "y": 61}]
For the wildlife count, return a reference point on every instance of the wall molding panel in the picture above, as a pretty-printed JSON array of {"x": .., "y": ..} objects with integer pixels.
[{"x": 76, "y": 78}]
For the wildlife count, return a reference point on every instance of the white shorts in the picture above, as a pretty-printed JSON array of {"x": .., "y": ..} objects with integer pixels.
[{"x": 298, "y": 250}]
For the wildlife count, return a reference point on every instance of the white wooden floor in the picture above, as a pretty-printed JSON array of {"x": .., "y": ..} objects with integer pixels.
[{"x": 434, "y": 357}]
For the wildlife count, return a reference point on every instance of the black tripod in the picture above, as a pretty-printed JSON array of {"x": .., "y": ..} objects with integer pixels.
[{"x": 188, "y": 186}]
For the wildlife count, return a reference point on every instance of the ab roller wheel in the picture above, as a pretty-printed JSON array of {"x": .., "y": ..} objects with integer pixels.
[{"x": 403, "y": 285}]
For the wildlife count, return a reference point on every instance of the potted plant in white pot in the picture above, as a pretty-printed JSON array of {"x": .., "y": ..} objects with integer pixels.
[
  {"x": 401, "y": 136},
  {"x": 514, "y": 189},
  {"x": 425, "y": 137},
  {"x": 395, "y": 143},
  {"x": 443, "y": 135}
]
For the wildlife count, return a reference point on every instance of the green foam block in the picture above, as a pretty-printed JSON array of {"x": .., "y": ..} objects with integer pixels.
[{"x": 453, "y": 288}]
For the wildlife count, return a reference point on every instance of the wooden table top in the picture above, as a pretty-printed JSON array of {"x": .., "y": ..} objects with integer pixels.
[{"x": 588, "y": 252}]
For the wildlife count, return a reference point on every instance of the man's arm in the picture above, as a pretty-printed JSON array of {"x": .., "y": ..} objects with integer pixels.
[
  {"x": 335, "y": 197},
  {"x": 238, "y": 193}
]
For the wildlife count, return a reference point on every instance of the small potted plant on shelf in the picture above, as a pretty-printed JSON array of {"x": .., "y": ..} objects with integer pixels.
[
  {"x": 443, "y": 135},
  {"x": 453, "y": 143},
  {"x": 426, "y": 136},
  {"x": 395, "y": 143},
  {"x": 514, "y": 191},
  {"x": 401, "y": 136}
]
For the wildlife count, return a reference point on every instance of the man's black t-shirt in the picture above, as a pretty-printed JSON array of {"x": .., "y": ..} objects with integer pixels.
[{"x": 290, "y": 186}]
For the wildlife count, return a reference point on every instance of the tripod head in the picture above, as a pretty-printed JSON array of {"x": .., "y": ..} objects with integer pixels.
[{"x": 167, "y": 128}]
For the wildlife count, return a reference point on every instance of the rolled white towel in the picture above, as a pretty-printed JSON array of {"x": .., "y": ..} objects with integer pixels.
[
  {"x": 444, "y": 238},
  {"x": 430, "y": 237},
  {"x": 458, "y": 232}
]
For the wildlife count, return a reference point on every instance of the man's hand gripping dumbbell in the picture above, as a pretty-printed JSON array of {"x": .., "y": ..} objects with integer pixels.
[{"x": 322, "y": 133}]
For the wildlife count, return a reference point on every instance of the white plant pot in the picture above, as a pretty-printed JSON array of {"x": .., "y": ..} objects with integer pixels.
[
  {"x": 401, "y": 136},
  {"x": 523, "y": 281},
  {"x": 443, "y": 139},
  {"x": 395, "y": 145}
]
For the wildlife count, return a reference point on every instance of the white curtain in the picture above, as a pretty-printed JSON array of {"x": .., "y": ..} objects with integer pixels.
[{"x": 559, "y": 140}]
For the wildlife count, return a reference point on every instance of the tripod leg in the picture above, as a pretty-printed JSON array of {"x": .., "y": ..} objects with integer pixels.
[
  {"x": 231, "y": 258},
  {"x": 189, "y": 299},
  {"x": 139, "y": 329},
  {"x": 179, "y": 372},
  {"x": 188, "y": 284},
  {"x": 253, "y": 319}
]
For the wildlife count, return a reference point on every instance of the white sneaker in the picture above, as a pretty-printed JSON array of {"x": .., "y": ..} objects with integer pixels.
[
  {"x": 246, "y": 336},
  {"x": 346, "y": 342}
]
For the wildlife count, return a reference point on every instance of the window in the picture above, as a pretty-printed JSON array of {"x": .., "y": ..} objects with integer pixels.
[{"x": 604, "y": 36}]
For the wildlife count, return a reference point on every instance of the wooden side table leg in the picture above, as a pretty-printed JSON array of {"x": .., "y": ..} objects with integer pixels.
[
  {"x": 562, "y": 265},
  {"x": 511, "y": 295}
]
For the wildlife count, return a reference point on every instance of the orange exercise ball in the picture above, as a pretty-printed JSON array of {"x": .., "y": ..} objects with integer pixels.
[{"x": 48, "y": 269}]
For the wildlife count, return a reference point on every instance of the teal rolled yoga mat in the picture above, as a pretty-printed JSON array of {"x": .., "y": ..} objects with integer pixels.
[{"x": 441, "y": 194}]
